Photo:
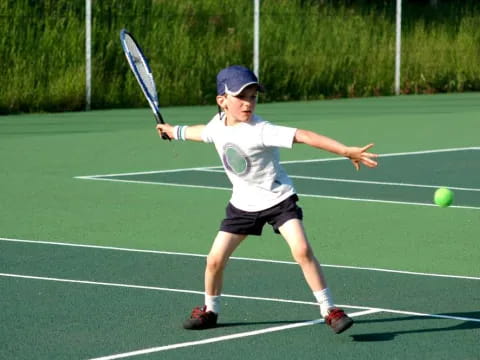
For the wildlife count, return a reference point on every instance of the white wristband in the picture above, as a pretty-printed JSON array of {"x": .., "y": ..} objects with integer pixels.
[
  {"x": 179, "y": 132},
  {"x": 175, "y": 132}
]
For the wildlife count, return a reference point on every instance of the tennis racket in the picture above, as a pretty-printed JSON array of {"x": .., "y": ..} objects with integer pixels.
[{"x": 140, "y": 68}]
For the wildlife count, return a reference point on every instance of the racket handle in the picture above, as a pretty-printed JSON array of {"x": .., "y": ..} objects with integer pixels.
[
  {"x": 166, "y": 137},
  {"x": 159, "y": 119}
]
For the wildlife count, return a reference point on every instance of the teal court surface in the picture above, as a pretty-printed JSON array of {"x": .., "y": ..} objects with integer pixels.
[{"x": 94, "y": 302}]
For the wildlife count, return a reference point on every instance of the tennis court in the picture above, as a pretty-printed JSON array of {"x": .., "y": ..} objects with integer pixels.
[{"x": 105, "y": 227}]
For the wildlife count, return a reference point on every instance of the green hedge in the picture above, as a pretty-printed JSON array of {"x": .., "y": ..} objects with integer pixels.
[{"x": 309, "y": 49}]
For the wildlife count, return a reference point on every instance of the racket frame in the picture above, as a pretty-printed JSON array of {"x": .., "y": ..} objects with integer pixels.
[{"x": 151, "y": 98}]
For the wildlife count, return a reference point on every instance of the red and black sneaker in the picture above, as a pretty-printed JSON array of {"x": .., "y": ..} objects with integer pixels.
[
  {"x": 201, "y": 319},
  {"x": 338, "y": 320}
]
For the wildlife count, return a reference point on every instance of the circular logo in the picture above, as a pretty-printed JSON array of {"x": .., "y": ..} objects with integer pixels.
[{"x": 235, "y": 160}]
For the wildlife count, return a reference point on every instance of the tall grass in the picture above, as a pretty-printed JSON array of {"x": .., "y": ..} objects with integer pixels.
[
  {"x": 309, "y": 49},
  {"x": 41, "y": 52}
]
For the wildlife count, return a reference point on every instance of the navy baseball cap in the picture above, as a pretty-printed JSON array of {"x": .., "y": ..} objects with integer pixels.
[{"x": 233, "y": 79}]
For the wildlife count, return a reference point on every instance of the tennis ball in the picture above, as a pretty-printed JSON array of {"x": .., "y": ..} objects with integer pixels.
[{"x": 443, "y": 197}]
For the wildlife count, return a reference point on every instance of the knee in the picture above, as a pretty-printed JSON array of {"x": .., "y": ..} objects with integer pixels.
[
  {"x": 215, "y": 263},
  {"x": 303, "y": 254}
]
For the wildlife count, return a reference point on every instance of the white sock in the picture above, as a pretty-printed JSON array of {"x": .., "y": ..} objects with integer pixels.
[
  {"x": 212, "y": 303},
  {"x": 324, "y": 299}
]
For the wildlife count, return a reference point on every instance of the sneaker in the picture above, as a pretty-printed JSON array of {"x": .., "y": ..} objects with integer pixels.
[
  {"x": 338, "y": 320},
  {"x": 201, "y": 319}
]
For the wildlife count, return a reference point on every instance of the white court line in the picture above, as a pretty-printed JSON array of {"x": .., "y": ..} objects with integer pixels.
[
  {"x": 303, "y": 195},
  {"x": 157, "y": 288},
  {"x": 234, "y": 258},
  {"x": 387, "y": 183},
  {"x": 153, "y": 183},
  {"x": 149, "y": 172},
  {"x": 390, "y": 154},
  {"x": 386, "y": 201},
  {"x": 233, "y": 296},
  {"x": 282, "y": 162},
  {"x": 382, "y": 183},
  {"x": 224, "y": 338}
]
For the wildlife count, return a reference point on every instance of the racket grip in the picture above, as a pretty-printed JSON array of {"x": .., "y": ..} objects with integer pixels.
[{"x": 166, "y": 137}]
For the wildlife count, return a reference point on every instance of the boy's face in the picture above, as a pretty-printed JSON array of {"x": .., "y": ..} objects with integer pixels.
[{"x": 239, "y": 108}]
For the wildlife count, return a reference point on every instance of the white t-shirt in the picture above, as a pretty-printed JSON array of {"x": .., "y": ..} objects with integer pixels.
[{"x": 250, "y": 157}]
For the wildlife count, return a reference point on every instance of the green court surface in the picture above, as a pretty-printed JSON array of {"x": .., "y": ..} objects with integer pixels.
[{"x": 104, "y": 230}]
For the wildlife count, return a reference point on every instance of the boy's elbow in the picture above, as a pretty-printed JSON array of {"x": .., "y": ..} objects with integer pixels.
[
  {"x": 298, "y": 138},
  {"x": 301, "y": 136}
]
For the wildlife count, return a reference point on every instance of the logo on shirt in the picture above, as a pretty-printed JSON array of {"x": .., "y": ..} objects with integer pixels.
[{"x": 235, "y": 160}]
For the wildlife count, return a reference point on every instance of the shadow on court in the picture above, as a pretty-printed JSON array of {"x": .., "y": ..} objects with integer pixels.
[{"x": 387, "y": 336}]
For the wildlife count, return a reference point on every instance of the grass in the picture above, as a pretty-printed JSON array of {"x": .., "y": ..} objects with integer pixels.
[{"x": 309, "y": 50}]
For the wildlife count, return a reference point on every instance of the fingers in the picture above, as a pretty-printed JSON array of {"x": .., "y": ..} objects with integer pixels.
[
  {"x": 366, "y": 162},
  {"x": 356, "y": 165},
  {"x": 162, "y": 129},
  {"x": 366, "y": 158},
  {"x": 360, "y": 156},
  {"x": 366, "y": 147},
  {"x": 369, "y": 162}
]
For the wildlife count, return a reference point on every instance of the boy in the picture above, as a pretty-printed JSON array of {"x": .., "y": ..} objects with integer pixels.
[{"x": 262, "y": 191}]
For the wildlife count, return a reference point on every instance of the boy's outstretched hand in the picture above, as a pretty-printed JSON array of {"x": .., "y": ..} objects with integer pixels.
[{"x": 359, "y": 155}]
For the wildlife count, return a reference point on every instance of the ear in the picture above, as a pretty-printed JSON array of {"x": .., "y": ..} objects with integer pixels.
[{"x": 222, "y": 101}]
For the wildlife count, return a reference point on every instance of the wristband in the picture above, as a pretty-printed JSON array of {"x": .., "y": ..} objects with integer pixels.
[
  {"x": 183, "y": 132},
  {"x": 179, "y": 132}
]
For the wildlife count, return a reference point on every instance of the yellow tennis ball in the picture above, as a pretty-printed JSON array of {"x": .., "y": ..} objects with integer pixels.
[{"x": 443, "y": 197}]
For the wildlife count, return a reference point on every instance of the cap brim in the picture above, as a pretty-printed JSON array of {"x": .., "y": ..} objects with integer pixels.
[{"x": 259, "y": 88}]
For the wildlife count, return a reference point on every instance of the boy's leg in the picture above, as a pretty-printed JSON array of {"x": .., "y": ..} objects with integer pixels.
[
  {"x": 294, "y": 233},
  {"x": 222, "y": 248},
  {"x": 302, "y": 252},
  {"x": 206, "y": 316}
]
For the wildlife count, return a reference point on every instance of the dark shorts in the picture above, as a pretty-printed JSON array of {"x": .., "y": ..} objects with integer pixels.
[{"x": 251, "y": 223}]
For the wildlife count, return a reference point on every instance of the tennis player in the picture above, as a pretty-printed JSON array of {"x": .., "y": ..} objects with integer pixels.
[{"x": 248, "y": 147}]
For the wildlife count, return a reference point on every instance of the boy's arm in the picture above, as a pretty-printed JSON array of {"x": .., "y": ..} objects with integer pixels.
[
  {"x": 193, "y": 132},
  {"x": 358, "y": 155}
]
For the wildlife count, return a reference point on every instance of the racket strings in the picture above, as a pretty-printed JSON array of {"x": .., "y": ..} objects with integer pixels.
[{"x": 142, "y": 68}]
